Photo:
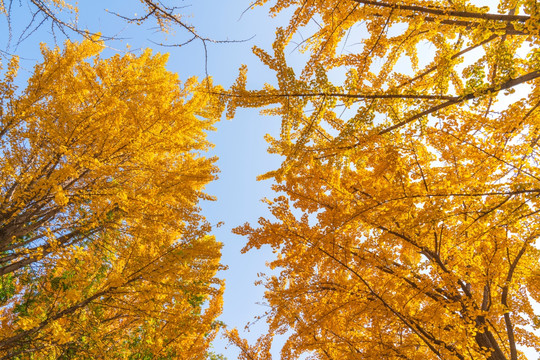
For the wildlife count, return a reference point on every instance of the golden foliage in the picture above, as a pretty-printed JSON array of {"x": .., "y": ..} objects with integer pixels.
[
  {"x": 103, "y": 251},
  {"x": 409, "y": 220}
]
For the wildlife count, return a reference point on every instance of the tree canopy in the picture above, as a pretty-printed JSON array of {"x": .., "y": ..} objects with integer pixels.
[
  {"x": 406, "y": 219},
  {"x": 103, "y": 250}
]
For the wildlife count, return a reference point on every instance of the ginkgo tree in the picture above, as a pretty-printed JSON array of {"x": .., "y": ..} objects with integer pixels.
[
  {"x": 103, "y": 251},
  {"x": 406, "y": 221}
]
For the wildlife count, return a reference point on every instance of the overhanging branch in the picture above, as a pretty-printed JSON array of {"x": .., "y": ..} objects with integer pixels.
[
  {"x": 448, "y": 12},
  {"x": 493, "y": 89}
]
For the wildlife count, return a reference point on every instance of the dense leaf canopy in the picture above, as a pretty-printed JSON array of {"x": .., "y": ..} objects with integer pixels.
[
  {"x": 103, "y": 252},
  {"x": 408, "y": 219}
]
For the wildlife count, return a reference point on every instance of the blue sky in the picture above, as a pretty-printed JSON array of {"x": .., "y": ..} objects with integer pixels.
[{"x": 239, "y": 143}]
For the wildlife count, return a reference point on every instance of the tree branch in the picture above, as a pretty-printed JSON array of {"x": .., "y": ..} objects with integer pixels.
[
  {"x": 447, "y": 12},
  {"x": 266, "y": 94},
  {"x": 504, "y": 298},
  {"x": 493, "y": 89},
  {"x": 455, "y": 56}
]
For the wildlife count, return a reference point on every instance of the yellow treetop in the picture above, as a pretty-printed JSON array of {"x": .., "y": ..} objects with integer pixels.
[
  {"x": 408, "y": 218},
  {"x": 102, "y": 247}
]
